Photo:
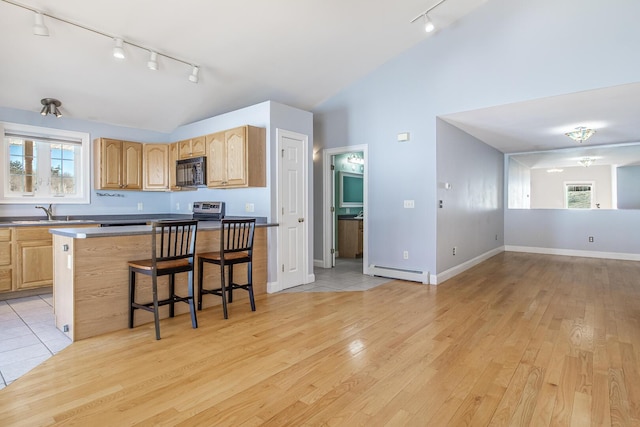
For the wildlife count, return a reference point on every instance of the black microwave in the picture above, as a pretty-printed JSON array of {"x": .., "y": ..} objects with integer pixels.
[{"x": 191, "y": 172}]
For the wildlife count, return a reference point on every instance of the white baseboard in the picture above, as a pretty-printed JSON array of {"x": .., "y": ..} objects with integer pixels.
[
  {"x": 318, "y": 263},
  {"x": 574, "y": 252},
  {"x": 454, "y": 271},
  {"x": 273, "y": 287}
]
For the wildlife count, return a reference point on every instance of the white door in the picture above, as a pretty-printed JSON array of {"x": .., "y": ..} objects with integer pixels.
[{"x": 293, "y": 221}]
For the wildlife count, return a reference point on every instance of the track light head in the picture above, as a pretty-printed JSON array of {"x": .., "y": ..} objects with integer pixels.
[
  {"x": 118, "y": 50},
  {"x": 193, "y": 77},
  {"x": 50, "y": 106},
  {"x": 428, "y": 24},
  {"x": 152, "y": 64},
  {"x": 39, "y": 29}
]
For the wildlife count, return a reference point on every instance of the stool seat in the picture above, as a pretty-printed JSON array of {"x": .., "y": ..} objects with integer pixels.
[
  {"x": 147, "y": 264},
  {"x": 228, "y": 258},
  {"x": 173, "y": 246},
  {"x": 236, "y": 247}
]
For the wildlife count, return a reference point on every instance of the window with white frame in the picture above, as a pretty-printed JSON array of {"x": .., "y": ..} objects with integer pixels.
[
  {"x": 579, "y": 195},
  {"x": 43, "y": 165}
]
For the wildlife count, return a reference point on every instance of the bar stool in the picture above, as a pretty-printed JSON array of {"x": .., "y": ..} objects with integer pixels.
[
  {"x": 174, "y": 254},
  {"x": 236, "y": 247}
]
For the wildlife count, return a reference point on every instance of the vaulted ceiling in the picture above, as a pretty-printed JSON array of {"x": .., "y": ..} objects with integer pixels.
[{"x": 298, "y": 53}]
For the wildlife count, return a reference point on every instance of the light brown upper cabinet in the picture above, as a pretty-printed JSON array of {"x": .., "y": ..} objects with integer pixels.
[
  {"x": 118, "y": 164},
  {"x": 155, "y": 163},
  {"x": 193, "y": 147},
  {"x": 236, "y": 158}
]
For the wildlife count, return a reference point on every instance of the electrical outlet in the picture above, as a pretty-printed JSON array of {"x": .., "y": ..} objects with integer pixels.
[
  {"x": 177, "y": 206},
  {"x": 190, "y": 207},
  {"x": 249, "y": 207},
  {"x": 409, "y": 204},
  {"x": 590, "y": 239},
  {"x": 405, "y": 254},
  {"x": 454, "y": 250},
  {"x": 140, "y": 206}
]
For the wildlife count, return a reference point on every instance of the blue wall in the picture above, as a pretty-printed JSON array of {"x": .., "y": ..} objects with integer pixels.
[{"x": 505, "y": 51}]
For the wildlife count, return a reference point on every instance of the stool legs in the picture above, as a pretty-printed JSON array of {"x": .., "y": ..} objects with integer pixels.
[{"x": 156, "y": 316}]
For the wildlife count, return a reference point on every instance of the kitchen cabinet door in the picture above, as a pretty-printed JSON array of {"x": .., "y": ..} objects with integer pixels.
[
  {"x": 236, "y": 158},
  {"x": 118, "y": 164},
  {"x": 155, "y": 162}
]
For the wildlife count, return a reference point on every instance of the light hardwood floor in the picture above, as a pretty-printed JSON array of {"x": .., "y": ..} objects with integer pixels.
[{"x": 521, "y": 339}]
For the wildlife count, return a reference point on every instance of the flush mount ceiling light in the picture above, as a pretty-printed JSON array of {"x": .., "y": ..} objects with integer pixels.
[
  {"x": 586, "y": 161},
  {"x": 429, "y": 26},
  {"x": 39, "y": 29},
  {"x": 354, "y": 158},
  {"x": 50, "y": 106},
  {"x": 554, "y": 170},
  {"x": 152, "y": 64},
  {"x": 581, "y": 134},
  {"x": 118, "y": 51}
]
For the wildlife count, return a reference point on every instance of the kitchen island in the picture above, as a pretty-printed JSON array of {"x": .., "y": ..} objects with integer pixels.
[{"x": 91, "y": 275}]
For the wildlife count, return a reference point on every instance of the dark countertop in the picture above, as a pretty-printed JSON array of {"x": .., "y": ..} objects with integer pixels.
[
  {"x": 102, "y": 220},
  {"x": 130, "y": 230}
]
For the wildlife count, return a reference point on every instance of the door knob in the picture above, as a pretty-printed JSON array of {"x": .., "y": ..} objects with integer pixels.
[{"x": 300, "y": 219}]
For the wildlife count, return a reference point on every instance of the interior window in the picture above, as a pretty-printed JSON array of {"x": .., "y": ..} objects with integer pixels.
[
  {"x": 44, "y": 165},
  {"x": 579, "y": 196}
]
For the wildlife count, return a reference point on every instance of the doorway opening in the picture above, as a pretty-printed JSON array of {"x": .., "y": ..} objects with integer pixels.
[{"x": 345, "y": 200}]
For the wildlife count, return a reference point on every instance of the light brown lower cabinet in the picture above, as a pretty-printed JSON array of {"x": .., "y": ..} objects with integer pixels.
[
  {"x": 350, "y": 234},
  {"x": 26, "y": 258}
]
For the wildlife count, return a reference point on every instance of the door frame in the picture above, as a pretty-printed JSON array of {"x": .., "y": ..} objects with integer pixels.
[
  {"x": 305, "y": 209},
  {"x": 329, "y": 197}
]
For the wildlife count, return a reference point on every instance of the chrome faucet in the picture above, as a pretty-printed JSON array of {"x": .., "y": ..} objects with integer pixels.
[{"x": 48, "y": 211}]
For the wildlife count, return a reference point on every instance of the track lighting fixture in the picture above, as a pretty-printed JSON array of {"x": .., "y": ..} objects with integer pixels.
[
  {"x": 429, "y": 26},
  {"x": 118, "y": 51},
  {"x": 39, "y": 29},
  {"x": 193, "y": 78},
  {"x": 50, "y": 106},
  {"x": 152, "y": 64}
]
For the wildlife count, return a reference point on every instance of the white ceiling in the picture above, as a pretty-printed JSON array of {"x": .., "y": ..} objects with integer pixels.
[
  {"x": 541, "y": 124},
  {"x": 295, "y": 52}
]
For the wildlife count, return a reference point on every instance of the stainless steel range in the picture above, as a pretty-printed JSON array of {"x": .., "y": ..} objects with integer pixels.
[{"x": 208, "y": 211}]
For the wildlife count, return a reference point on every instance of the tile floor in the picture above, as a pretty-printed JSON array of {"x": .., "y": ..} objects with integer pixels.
[
  {"x": 345, "y": 276},
  {"x": 28, "y": 336}
]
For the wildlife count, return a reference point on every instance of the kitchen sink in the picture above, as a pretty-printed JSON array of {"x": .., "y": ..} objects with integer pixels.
[{"x": 54, "y": 221}]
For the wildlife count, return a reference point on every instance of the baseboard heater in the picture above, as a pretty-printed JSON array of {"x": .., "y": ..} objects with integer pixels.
[{"x": 399, "y": 273}]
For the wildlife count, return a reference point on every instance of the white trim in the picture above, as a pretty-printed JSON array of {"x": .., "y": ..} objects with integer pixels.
[
  {"x": 84, "y": 163},
  {"x": 575, "y": 252},
  {"x": 454, "y": 271},
  {"x": 327, "y": 238},
  {"x": 318, "y": 263}
]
